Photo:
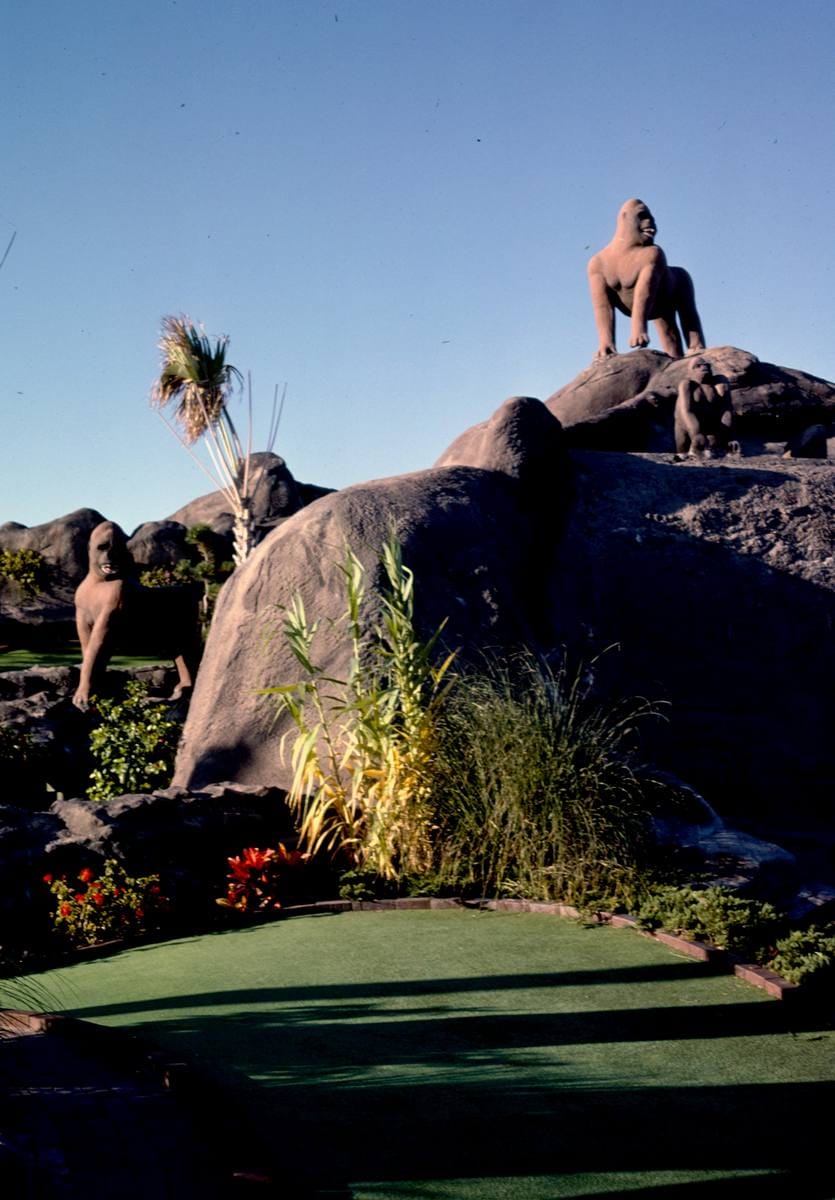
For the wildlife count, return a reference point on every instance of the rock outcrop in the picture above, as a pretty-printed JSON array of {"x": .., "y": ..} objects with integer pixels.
[
  {"x": 48, "y": 619},
  {"x": 275, "y": 495},
  {"x": 62, "y": 542},
  {"x": 713, "y": 584},
  {"x": 469, "y": 533},
  {"x": 625, "y": 402}
]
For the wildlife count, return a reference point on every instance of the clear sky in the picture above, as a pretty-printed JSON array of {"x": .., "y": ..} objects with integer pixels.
[{"x": 386, "y": 204}]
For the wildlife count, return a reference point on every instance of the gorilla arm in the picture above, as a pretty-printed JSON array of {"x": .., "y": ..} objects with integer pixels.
[
  {"x": 643, "y": 295},
  {"x": 604, "y": 309}
]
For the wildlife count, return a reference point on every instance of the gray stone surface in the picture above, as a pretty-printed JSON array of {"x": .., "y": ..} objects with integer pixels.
[
  {"x": 159, "y": 544},
  {"x": 625, "y": 402},
  {"x": 62, "y": 542},
  {"x": 275, "y": 494},
  {"x": 713, "y": 583}
]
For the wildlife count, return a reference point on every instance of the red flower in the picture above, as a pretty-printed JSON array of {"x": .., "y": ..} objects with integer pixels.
[
  {"x": 86, "y": 875},
  {"x": 47, "y": 879},
  {"x": 98, "y": 899},
  {"x": 79, "y": 897},
  {"x": 154, "y": 889},
  {"x": 139, "y": 913},
  {"x": 65, "y": 910}
]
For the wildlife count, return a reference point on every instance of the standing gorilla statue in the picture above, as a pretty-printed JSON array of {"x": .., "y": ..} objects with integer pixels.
[
  {"x": 632, "y": 275},
  {"x": 114, "y": 612}
]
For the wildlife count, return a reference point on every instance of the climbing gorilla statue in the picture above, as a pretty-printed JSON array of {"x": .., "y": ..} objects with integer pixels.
[
  {"x": 631, "y": 274},
  {"x": 113, "y": 612}
]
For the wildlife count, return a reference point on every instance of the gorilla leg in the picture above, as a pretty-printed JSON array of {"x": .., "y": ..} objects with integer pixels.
[
  {"x": 684, "y": 298},
  {"x": 668, "y": 336}
]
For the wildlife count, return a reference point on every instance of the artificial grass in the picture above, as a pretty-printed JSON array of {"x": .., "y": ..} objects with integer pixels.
[{"x": 465, "y": 1055}]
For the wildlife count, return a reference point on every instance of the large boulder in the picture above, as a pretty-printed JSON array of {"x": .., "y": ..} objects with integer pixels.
[
  {"x": 62, "y": 542},
  {"x": 714, "y": 586},
  {"x": 521, "y": 439},
  {"x": 49, "y": 618},
  {"x": 626, "y": 401},
  {"x": 706, "y": 587},
  {"x": 159, "y": 544},
  {"x": 275, "y": 494},
  {"x": 469, "y": 532}
]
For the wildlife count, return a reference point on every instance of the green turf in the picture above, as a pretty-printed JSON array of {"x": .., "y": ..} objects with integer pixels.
[
  {"x": 465, "y": 1055},
  {"x": 22, "y": 660}
]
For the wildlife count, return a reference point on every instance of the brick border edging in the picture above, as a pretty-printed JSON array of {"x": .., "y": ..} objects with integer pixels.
[{"x": 719, "y": 960}]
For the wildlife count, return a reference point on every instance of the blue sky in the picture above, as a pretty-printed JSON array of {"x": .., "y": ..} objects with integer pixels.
[{"x": 386, "y": 204}]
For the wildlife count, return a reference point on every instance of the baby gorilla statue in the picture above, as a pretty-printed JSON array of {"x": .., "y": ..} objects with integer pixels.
[
  {"x": 704, "y": 416},
  {"x": 114, "y": 612},
  {"x": 631, "y": 275}
]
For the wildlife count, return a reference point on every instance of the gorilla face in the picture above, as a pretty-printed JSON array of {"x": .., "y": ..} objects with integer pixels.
[
  {"x": 637, "y": 223},
  {"x": 109, "y": 558}
]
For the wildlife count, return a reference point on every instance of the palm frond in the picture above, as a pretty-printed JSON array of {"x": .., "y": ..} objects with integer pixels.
[{"x": 195, "y": 377}]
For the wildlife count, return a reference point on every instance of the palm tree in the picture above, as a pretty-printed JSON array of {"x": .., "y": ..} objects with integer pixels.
[
  {"x": 198, "y": 381},
  {"x": 195, "y": 376}
]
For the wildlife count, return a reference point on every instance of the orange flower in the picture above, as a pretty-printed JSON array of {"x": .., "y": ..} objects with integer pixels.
[{"x": 65, "y": 910}]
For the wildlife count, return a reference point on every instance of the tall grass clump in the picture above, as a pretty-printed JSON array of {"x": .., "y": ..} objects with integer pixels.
[
  {"x": 534, "y": 791},
  {"x": 362, "y": 745}
]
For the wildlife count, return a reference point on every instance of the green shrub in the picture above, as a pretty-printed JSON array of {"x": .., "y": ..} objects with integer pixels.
[
  {"x": 27, "y": 568},
  {"x": 806, "y": 956},
  {"x": 181, "y": 572},
  {"x": 533, "y": 790},
  {"x": 714, "y": 914},
  {"x": 363, "y": 744},
  {"x": 134, "y": 745},
  {"x": 93, "y": 908}
]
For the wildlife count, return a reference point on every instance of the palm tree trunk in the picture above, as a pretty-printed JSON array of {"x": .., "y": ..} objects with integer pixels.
[{"x": 243, "y": 532}]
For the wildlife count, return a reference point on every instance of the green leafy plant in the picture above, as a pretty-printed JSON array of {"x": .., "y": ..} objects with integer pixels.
[
  {"x": 362, "y": 746},
  {"x": 258, "y": 879},
  {"x": 534, "y": 790},
  {"x": 714, "y": 914},
  {"x": 95, "y": 908},
  {"x": 180, "y": 572},
  {"x": 806, "y": 956},
  {"x": 134, "y": 744},
  {"x": 26, "y": 568}
]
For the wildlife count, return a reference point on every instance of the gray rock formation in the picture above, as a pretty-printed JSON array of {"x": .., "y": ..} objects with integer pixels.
[
  {"x": 470, "y": 534},
  {"x": 62, "y": 542},
  {"x": 715, "y": 583},
  {"x": 275, "y": 494},
  {"x": 159, "y": 544},
  {"x": 625, "y": 402},
  {"x": 48, "y": 618},
  {"x": 185, "y": 837}
]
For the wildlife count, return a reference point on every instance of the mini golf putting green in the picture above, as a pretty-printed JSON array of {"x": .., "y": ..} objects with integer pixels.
[{"x": 462, "y": 1055}]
